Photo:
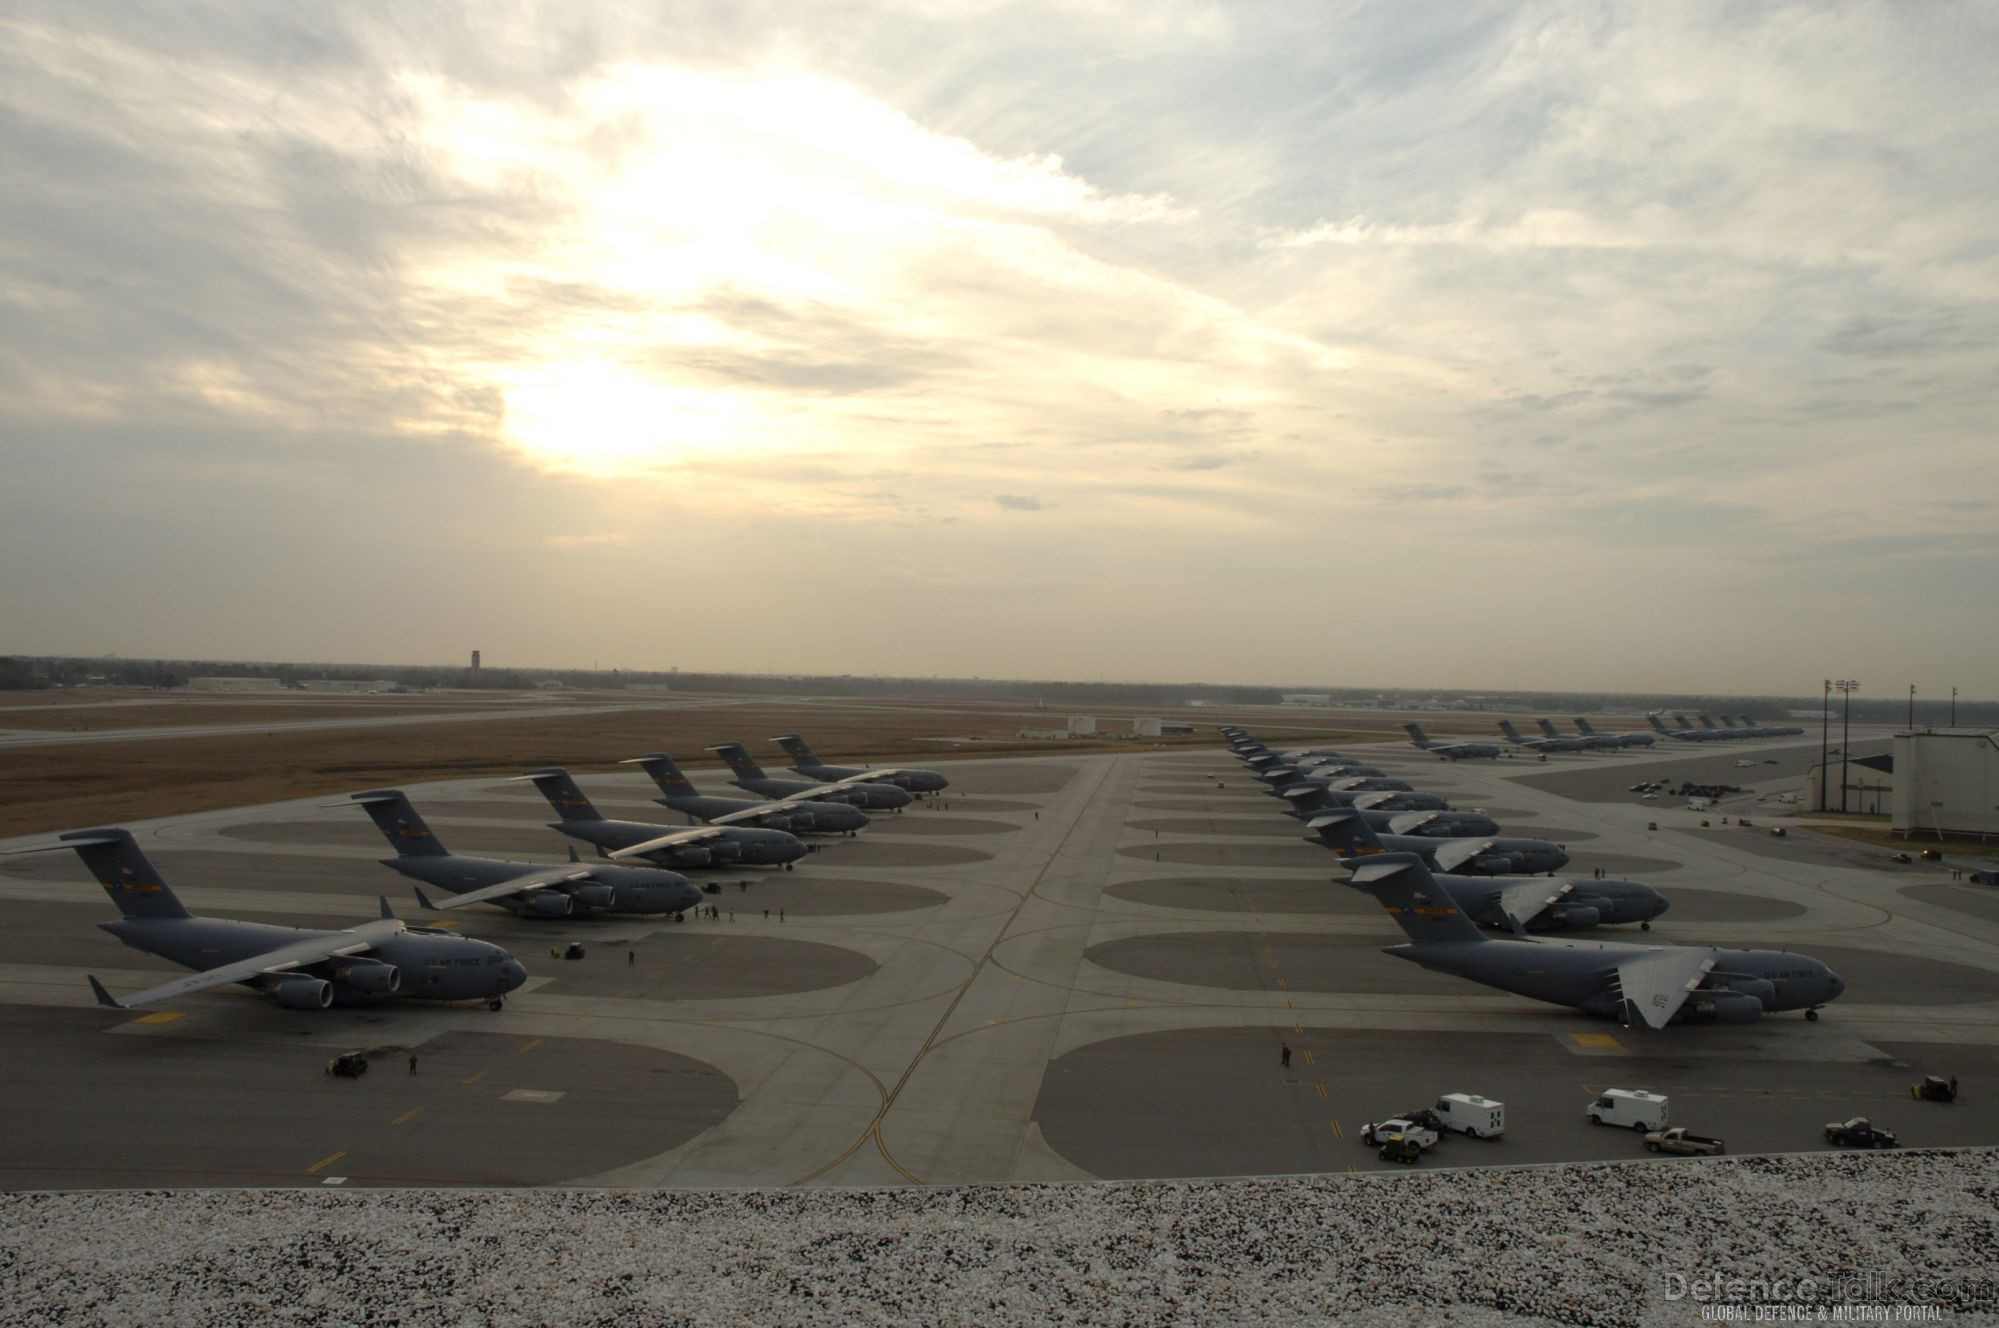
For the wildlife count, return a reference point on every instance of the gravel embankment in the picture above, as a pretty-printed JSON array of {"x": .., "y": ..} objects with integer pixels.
[{"x": 1586, "y": 1244}]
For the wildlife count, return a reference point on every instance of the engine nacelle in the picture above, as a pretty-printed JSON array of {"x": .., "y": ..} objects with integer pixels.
[
  {"x": 303, "y": 993},
  {"x": 1762, "y": 989},
  {"x": 795, "y": 823},
  {"x": 371, "y": 977},
  {"x": 1499, "y": 864},
  {"x": 593, "y": 894},
  {"x": 690, "y": 855},
  {"x": 547, "y": 904},
  {"x": 1574, "y": 915},
  {"x": 1725, "y": 1007},
  {"x": 727, "y": 850}
]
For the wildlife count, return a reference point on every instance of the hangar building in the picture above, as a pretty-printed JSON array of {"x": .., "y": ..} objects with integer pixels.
[{"x": 1946, "y": 781}]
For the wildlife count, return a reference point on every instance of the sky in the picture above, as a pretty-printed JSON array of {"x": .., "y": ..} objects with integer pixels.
[{"x": 1619, "y": 347}]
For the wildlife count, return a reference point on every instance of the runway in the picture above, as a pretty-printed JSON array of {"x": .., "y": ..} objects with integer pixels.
[{"x": 1063, "y": 968}]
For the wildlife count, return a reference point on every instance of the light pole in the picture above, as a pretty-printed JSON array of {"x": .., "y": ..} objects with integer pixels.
[
  {"x": 1825, "y": 729},
  {"x": 1912, "y": 708},
  {"x": 1847, "y": 687},
  {"x": 1953, "y": 707}
]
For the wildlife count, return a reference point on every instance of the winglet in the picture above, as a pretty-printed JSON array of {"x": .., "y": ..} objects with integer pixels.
[
  {"x": 572, "y": 854},
  {"x": 104, "y": 997},
  {"x": 388, "y": 914},
  {"x": 423, "y": 900}
]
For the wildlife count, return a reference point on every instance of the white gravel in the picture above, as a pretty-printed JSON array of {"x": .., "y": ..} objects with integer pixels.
[{"x": 1585, "y": 1244}]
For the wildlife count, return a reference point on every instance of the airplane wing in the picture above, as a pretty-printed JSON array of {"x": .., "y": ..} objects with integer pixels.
[
  {"x": 1409, "y": 823},
  {"x": 532, "y": 881},
  {"x": 1526, "y": 901},
  {"x": 865, "y": 777},
  {"x": 696, "y": 835},
  {"x": 284, "y": 959},
  {"x": 1452, "y": 854},
  {"x": 1657, "y": 984},
  {"x": 766, "y": 810},
  {"x": 1369, "y": 801}
]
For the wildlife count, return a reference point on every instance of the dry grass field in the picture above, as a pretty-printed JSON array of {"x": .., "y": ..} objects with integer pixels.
[{"x": 69, "y": 786}]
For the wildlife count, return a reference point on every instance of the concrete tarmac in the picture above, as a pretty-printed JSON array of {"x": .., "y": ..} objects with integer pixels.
[{"x": 1061, "y": 969}]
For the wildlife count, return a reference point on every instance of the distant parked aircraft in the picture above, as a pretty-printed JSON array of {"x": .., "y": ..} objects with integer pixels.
[
  {"x": 1624, "y": 739},
  {"x": 1557, "y": 744},
  {"x": 1347, "y": 833},
  {"x": 1450, "y": 751},
  {"x": 806, "y": 763},
  {"x": 695, "y": 846},
  {"x": 798, "y": 815},
  {"x": 519, "y": 887},
  {"x": 858, "y": 791}
]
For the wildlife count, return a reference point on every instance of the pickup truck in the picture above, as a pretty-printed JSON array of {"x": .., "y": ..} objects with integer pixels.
[
  {"x": 1383, "y": 1132},
  {"x": 1677, "y": 1140}
]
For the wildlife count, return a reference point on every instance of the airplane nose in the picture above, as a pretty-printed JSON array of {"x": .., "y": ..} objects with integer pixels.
[
  {"x": 512, "y": 974},
  {"x": 1838, "y": 983}
]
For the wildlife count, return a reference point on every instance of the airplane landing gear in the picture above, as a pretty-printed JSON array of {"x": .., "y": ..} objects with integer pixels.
[
  {"x": 787, "y": 866},
  {"x": 1644, "y": 926},
  {"x": 497, "y": 1004},
  {"x": 1812, "y": 1015}
]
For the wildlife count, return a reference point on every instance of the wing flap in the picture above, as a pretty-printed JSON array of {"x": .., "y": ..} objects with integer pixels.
[{"x": 696, "y": 835}]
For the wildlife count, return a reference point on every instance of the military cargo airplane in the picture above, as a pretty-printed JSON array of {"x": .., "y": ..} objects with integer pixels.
[
  {"x": 299, "y": 968},
  {"x": 1308, "y": 800},
  {"x": 806, "y": 762},
  {"x": 1347, "y": 833},
  {"x": 798, "y": 815},
  {"x": 1340, "y": 778},
  {"x": 1592, "y": 742},
  {"x": 858, "y": 791},
  {"x": 523, "y": 888},
  {"x": 1716, "y": 733},
  {"x": 1772, "y": 731},
  {"x": 1555, "y": 744},
  {"x": 1652, "y": 984},
  {"x": 1685, "y": 733},
  {"x": 1623, "y": 739},
  {"x": 1450, "y": 751},
  {"x": 695, "y": 846},
  {"x": 1539, "y": 903}
]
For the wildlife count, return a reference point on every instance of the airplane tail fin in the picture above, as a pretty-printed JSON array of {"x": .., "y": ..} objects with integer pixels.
[
  {"x": 399, "y": 823},
  {"x": 1416, "y": 734},
  {"x": 569, "y": 801},
  {"x": 737, "y": 757},
  {"x": 1347, "y": 832},
  {"x": 1423, "y": 909},
  {"x": 799, "y": 750},
  {"x": 1506, "y": 727},
  {"x": 666, "y": 773},
  {"x": 122, "y": 868},
  {"x": 1583, "y": 727},
  {"x": 1547, "y": 728},
  {"x": 1657, "y": 723}
]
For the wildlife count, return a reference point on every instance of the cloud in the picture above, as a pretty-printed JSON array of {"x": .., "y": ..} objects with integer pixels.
[{"x": 1019, "y": 502}]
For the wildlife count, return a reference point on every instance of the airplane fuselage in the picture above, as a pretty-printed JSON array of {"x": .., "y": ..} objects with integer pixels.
[
  {"x": 432, "y": 966},
  {"x": 736, "y": 845},
  {"x": 1582, "y": 974},
  {"x": 633, "y": 890},
  {"x": 829, "y": 818},
  {"x": 872, "y": 797},
  {"x": 910, "y": 781}
]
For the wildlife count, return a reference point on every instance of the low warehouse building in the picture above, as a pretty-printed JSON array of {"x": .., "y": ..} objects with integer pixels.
[{"x": 1947, "y": 783}]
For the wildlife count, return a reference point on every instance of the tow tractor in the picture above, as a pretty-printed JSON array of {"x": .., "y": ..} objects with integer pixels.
[
  {"x": 348, "y": 1065},
  {"x": 1935, "y": 1088}
]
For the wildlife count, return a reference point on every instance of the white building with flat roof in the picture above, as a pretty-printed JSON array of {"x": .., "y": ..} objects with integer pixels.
[
  {"x": 1946, "y": 782},
  {"x": 228, "y": 684}
]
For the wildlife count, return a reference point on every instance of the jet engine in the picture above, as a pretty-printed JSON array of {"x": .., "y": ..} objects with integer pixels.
[
  {"x": 1574, "y": 915},
  {"x": 726, "y": 851},
  {"x": 370, "y": 976},
  {"x": 1764, "y": 990},
  {"x": 593, "y": 894},
  {"x": 1499, "y": 864},
  {"x": 303, "y": 993},
  {"x": 547, "y": 904},
  {"x": 691, "y": 855},
  {"x": 1726, "y": 1006}
]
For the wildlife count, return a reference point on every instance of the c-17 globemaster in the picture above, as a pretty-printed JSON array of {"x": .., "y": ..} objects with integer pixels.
[
  {"x": 1558, "y": 743},
  {"x": 695, "y": 846},
  {"x": 1346, "y": 833},
  {"x": 796, "y": 815},
  {"x": 1622, "y": 739},
  {"x": 857, "y": 790},
  {"x": 806, "y": 762},
  {"x": 1450, "y": 751},
  {"x": 300, "y": 968},
  {"x": 1651, "y": 984},
  {"x": 521, "y": 888}
]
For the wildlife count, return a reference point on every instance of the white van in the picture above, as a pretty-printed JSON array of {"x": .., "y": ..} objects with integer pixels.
[
  {"x": 1632, "y": 1108},
  {"x": 1468, "y": 1113}
]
